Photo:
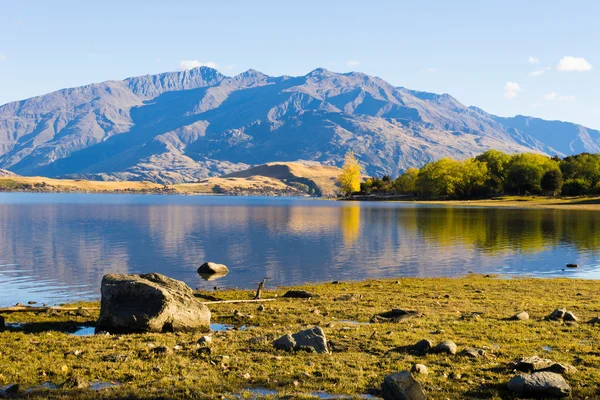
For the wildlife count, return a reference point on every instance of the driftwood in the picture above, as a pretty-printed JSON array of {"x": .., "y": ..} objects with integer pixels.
[
  {"x": 7, "y": 310},
  {"x": 260, "y": 288}
]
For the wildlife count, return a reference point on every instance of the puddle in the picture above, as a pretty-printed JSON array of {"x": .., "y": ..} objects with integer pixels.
[
  {"x": 228, "y": 327},
  {"x": 99, "y": 385},
  {"x": 547, "y": 348},
  {"x": 262, "y": 392},
  {"x": 84, "y": 331}
]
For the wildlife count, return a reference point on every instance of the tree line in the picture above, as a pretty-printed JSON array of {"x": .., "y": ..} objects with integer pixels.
[{"x": 492, "y": 173}]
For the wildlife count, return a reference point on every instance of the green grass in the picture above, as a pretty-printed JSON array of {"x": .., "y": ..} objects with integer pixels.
[{"x": 32, "y": 358}]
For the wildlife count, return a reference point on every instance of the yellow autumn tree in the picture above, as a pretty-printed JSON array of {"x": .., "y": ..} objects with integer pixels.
[{"x": 349, "y": 179}]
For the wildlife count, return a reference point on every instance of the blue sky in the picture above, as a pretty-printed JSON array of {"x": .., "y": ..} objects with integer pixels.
[{"x": 503, "y": 56}]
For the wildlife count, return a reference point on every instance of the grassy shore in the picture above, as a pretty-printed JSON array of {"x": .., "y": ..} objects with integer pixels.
[
  {"x": 243, "y": 359},
  {"x": 563, "y": 203}
]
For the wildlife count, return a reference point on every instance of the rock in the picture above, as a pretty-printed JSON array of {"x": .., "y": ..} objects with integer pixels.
[
  {"x": 211, "y": 270},
  {"x": 396, "y": 315},
  {"x": 205, "y": 340},
  {"x": 447, "y": 346},
  {"x": 261, "y": 308},
  {"x": 75, "y": 382},
  {"x": 472, "y": 352},
  {"x": 569, "y": 316},
  {"x": 522, "y": 316},
  {"x": 161, "y": 350},
  {"x": 419, "y": 369},
  {"x": 540, "y": 384},
  {"x": 2, "y": 323},
  {"x": 149, "y": 303},
  {"x": 401, "y": 386},
  {"x": 557, "y": 314},
  {"x": 594, "y": 321},
  {"x": 422, "y": 346},
  {"x": 308, "y": 340},
  {"x": 561, "y": 368},
  {"x": 11, "y": 389},
  {"x": 299, "y": 294},
  {"x": 532, "y": 364},
  {"x": 572, "y": 266}
]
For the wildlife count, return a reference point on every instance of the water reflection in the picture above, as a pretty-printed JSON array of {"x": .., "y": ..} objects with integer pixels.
[{"x": 57, "y": 247}]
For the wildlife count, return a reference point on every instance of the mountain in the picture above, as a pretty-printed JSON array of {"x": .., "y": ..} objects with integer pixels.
[{"x": 189, "y": 125}]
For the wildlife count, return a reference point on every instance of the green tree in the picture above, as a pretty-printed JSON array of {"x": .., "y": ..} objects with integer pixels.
[
  {"x": 582, "y": 166},
  {"x": 407, "y": 182},
  {"x": 497, "y": 163},
  {"x": 437, "y": 179},
  {"x": 575, "y": 187},
  {"x": 552, "y": 182},
  {"x": 525, "y": 172},
  {"x": 471, "y": 177},
  {"x": 349, "y": 179}
]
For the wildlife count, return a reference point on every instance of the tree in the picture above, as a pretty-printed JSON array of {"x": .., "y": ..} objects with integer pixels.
[
  {"x": 525, "y": 172},
  {"x": 349, "y": 179},
  {"x": 497, "y": 163},
  {"x": 470, "y": 178},
  {"x": 437, "y": 179},
  {"x": 407, "y": 182},
  {"x": 575, "y": 187},
  {"x": 582, "y": 166},
  {"x": 552, "y": 181}
]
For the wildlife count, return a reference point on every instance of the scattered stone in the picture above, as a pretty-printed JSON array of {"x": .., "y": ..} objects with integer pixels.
[
  {"x": 532, "y": 364},
  {"x": 401, "y": 386},
  {"x": 161, "y": 350},
  {"x": 211, "y": 268},
  {"x": 299, "y": 294},
  {"x": 594, "y": 321},
  {"x": 572, "y": 266},
  {"x": 82, "y": 313},
  {"x": 447, "y": 346},
  {"x": 422, "y": 346},
  {"x": 308, "y": 340},
  {"x": 472, "y": 352},
  {"x": 205, "y": 340},
  {"x": 246, "y": 376},
  {"x": 557, "y": 314},
  {"x": 569, "y": 316},
  {"x": 75, "y": 382},
  {"x": 149, "y": 303},
  {"x": 419, "y": 369},
  {"x": 261, "y": 308},
  {"x": 540, "y": 384},
  {"x": 396, "y": 315},
  {"x": 522, "y": 316},
  {"x": 561, "y": 368},
  {"x": 11, "y": 390}
]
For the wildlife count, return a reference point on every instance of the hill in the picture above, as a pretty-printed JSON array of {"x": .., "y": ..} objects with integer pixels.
[{"x": 188, "y": 125}]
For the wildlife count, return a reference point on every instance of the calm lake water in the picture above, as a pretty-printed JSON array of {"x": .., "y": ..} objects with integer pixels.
[{"x": 56, "y": 247}]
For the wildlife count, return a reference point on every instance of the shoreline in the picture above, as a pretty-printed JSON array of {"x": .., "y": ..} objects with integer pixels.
[{"x": 473, "y": 311}]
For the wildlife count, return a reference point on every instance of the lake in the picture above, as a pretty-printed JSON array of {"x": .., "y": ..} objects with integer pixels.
[{"x": 56, "y": 247}]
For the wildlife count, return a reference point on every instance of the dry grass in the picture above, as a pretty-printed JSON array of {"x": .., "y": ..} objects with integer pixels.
[
  {"x": 564, "y": 203},
  {"x": 243, "y": 359}
]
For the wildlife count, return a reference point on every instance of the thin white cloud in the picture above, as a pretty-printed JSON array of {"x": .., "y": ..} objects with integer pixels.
[
  {"x": 539, "y": 72},
  {"x": 573, "y": 64},
  {"x": 3, "y": 57},
  {"x": 352, "y": 63},
  {"x": 189, "y": 64},
  {"x": 554, "y": 96},
  {"x": 432, "y": 70},
  {"x": 533, "y": 60},
  {"x": 511, "y": 90}
]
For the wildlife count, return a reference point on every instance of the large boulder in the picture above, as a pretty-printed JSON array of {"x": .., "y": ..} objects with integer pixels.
[
  {"x": 401, "y": 386},
  {"x": 540, "y": 384},
  {"x": 312, "y": 339},
  {"x": 149, "y": 303}
]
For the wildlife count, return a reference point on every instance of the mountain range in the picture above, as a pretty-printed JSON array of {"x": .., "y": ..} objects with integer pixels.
[{"x": 188, "y": 125}]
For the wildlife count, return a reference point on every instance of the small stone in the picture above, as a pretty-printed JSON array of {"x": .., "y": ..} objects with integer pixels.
[
  {"x": 32, "y": 302},
  {"x": 156, "y": 369},
  {"x": 569, "y": 316},
  {"x": 540, "y": 384},
  {"x": 472, "y": 352},
  {"x": 532, "y": 364},
  {"x": 419, "y": 369},
  {"x": 401, "y": 386},
  {"x": 557, "y": 314},
  {"x": 446, "y": 296},
  {"x": 422, "y": 346},
  {"x": 261, "y": 308},
  {"x": 246, "y": 376},
  {"x": 205, "y": 340},
  {"x": 395, "y": 315},
  {"x": 299, "y": 294},
  {"x": 447, "y": 346},
  {"x": 335, "y": 282},
  {"x": 561, "y": 368},
  {"x": 161, "y": 350},
  {"x": 312, "y": 339},
  {"x": 522, "y": 316}
]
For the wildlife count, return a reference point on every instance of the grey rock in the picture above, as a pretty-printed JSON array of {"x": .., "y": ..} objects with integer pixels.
[
  {"x": 402, "y": 386},
  {"x": 570, "y": 317},
  {"x": 211, "y": 268},
  {"x": 594, "y": 321},
  {"x": 307, "y": 340},
  {"x": 540, "y": 384},
  {"x": 10, "y": 390},
  {"x": 472, "y": 352},
  {"x": 532, "y": 364},
  {"x": 205, "y": 340},
  {"x": 557, "y": 314},
  {"x": 447, "y": 346},
  {"x": 149, "y": 303},
  {"x": 419, "y": 369},
  {"x": 422, "y": 346},
  {"x": 261, "y": 308},
  {"x": 75, "y": 382},
  {"x": 299, "y": 294},
  {"x": 562, "y": 368},
  {"x": 522, "y": 316}
]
